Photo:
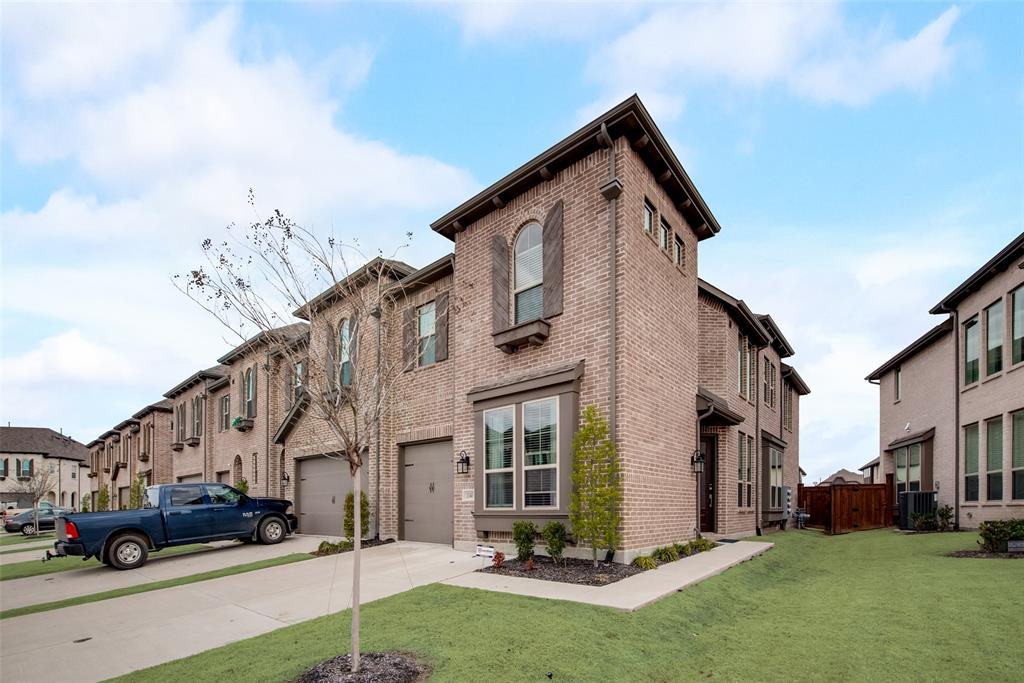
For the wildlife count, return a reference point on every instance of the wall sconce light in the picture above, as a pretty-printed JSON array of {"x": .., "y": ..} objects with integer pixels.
[
  {"x": 697, "y": 462},
  {"x": 462, "y": 464},
  {"x": 285, "y": 479}
]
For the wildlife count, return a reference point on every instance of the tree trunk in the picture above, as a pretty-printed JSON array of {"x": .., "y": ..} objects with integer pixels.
[{"x": 357, "y": 541}]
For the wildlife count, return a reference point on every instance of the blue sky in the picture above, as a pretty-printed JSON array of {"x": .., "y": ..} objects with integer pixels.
[{"x": 861, "y": 158}]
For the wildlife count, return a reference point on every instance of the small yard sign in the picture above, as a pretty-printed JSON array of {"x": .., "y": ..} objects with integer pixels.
[
  {"x": 1015, "y": 546},
  {"x": 485, "y": 551}
]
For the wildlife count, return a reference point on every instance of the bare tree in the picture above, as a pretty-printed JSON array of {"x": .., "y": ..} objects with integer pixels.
[
  {"x": 262, "y": 275},
  {"x": 36, "y": 485}
]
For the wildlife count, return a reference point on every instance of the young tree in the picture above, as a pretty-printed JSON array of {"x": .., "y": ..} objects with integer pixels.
[
  {"x": 257, "y": 279},
  {"x": 594, "y": 506},
  {"x": 84, "y": 506},
  {"x": 135, "y": 494},
  {"x": 40, "y": 482},
  {"x": 103, "y": 499}
]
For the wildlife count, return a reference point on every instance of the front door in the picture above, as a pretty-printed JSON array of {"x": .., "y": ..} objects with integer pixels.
[
  {"x": 427, "y": 484},
  {"x": 709, "y": 448}
]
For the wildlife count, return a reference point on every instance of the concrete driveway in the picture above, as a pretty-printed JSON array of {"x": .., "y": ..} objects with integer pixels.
[{"x": 113, "y": 637}]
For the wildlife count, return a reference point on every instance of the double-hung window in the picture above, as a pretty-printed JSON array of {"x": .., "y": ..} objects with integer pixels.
[
  {"x": 345, "y": 353},
  {"x": 1017, "y": 326},
  {"x": 679, "y": 251},
  {"x": 197, "y": 416},
  {"x": 426, "y": 316},
  {"x": 971, "y": 462},
  {"x": 1017, "y": 455},
  {"x": 648, "y": 218},
  {"x": 971, "y": 351},
  {"x": 499, "y": 470},
  {"x": 994, "y": 338},
  {"x": 994, "y": 459},
  {"x": 750, "y": 471},
  {"x": 528, "y": 274},
  {"x": 775, "y": 477},
  {"x": 225, "y": 412},
  {"x": 540, "y": 453},
  {"x": 741, "y": 366},
  {"x": 180, "y": 422},
  {"x": 664, "y": 235},
  {"x": 743, "y": 472}
]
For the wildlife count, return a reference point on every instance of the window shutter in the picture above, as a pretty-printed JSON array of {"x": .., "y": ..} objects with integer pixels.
[
  {"x": 255, "y": 382},
  {"x": 353, "y": 345},
  {"x": 31, "y": 468},
  {"x": 553, "y": 260},
  {"x": 499, "y": 284},
  {"x": 241, "y": 390},
  {"x": 331, "y": 344},
  {"x": 441, "y": 327},
  {"x": 409, "y": 345}
]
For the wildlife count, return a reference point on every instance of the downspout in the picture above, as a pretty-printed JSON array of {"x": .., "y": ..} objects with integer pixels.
[
  {"x": 206, "y": 437},
  {"x": 757, "y": 442},
  {"x": 956, "y": 421},
  {"x": 266, "y": 427},
  {"x": 700, "y": 418},
  {"x": 378, "y": 314},
  {"x": 613, "y": 286}
]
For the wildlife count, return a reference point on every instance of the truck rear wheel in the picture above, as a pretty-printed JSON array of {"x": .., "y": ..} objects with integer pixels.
[
  {"x": 128, "y": 552},
  {"x": 272, "y": 530}
]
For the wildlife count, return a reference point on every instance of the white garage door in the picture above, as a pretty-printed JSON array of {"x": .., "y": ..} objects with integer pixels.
[{"x": 323, "y": 484}]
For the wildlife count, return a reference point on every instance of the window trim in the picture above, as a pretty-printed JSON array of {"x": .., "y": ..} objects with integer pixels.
[
  {"x": 557, "y": 464},
  {"x": 512, "y": 468},
  {"x": 516, "y": 289}
]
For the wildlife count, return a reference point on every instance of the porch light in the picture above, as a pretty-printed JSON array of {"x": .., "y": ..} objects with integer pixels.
[
  {"x": 697, "y": 461},
  {"x": 462, "y": 464},
  {"x": 285, "y": 479}
]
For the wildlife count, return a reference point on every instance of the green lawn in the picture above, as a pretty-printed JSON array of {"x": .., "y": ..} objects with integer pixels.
[
  {"x": 14, "y": 539},
  {"x": 866, "y": 606},
  {"x": 20, "y": 570},
  {"x": 156, "y": 585}
]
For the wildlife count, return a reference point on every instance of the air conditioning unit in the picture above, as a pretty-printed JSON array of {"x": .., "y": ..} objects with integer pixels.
[{"x": 916, "y": 503}]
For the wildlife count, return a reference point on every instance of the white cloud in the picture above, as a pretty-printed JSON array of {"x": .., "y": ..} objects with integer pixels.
[
  {"x": 514, "y": 22},
  {"x": 808, "y": 48},
  {"x": 68, "y": 356}
]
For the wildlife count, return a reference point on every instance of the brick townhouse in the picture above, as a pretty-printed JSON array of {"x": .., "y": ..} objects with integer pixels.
[
  {"x": 573, "y": 282},
  {"x": 24, "y": 451},
  {"x": 951, "y": 404}
]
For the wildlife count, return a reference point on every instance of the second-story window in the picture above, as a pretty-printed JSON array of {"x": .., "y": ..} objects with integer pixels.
[
  {"x": 994, "y": 338},
  {"x": 897, "y": 384},
  {"x": 648, "y": 218},
  {"x": 528, "y": 274},
  {"x": 664, "y": 235},
  {"x": 197, "y": 416},
  {"x": 250, "y": 392},
  {"x": 225, "y": 412},
  {"x": 427, "y": 334},
  {"x": 679, "y": 251},
  {"x": 971, "y": 351},
  {"x": 742, "y": 366},
  {"x": 1017, "y": 326},
  {"x": 345, "y": 352}
]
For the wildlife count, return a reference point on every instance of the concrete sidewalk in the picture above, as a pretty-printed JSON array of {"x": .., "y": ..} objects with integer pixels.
[
  {"x": 628, "y": 594},
  {"x": 104, "y": 639},
  {"x": 23, "y": 552},
  {"x": 96, "y": 578}
]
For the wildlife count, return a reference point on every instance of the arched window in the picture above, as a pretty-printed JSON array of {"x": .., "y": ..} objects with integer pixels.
[
  {"x": 528, "y": 274},
  {"x": 345, "y": 353}
]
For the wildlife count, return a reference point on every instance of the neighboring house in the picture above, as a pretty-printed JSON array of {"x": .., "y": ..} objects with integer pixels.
[
  {"x": 156, "y": 428},
  {"x": 191, "y": 438},
  {"x": 843, "y": 476},
  {"x": 27, "y": 450},
  {"x": 952, "y": 403},
  {"x": 870, "y": 472}
]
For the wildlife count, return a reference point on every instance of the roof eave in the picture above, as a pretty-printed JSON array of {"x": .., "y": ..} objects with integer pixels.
[
  {"x": 995, "y": 265},
  {"x": 912, "y": 349}
]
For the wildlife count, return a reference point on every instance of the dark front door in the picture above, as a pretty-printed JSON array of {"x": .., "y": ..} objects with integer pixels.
[{"x": 709, "y": 447}]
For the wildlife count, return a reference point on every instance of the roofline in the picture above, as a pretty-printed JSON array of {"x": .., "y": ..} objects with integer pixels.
[
  {"x": 151, "y": 408},
  {"x": 629, "y": 118},
  {"x": 326, "y": 297},
  {"x": 740, "y": 309},
  {"x": 192, "y": 381},
  {"x": 250, "y": 344},
  {"x": 428, "y": 274},
  {"x": 912, "y": 350},
  {"x": 784, "y": 348},
  {"x": 873, "y": 463},
  {"x": 790, "y": 373},
  {"x": 996, "y": 264}
]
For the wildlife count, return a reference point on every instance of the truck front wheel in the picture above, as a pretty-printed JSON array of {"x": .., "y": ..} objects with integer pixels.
[
  {"x": 128, "y": 552},
  {"x": 272, "y": 530}
]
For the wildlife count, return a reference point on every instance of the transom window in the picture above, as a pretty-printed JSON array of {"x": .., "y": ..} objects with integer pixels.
[
  {"x": 540, "y": 453},
  {"x": 426, "y": 316},
  {"x": 528, "y": 275},
  {"x": 994, "y": 338},
  {"x": 971, "y": 462},
  {"x": 971, "y": 351},
  {"x": 499, "y": 473}
]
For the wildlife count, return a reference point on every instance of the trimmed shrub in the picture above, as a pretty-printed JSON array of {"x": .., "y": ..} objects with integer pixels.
[
  {"x": 645, "y": 563},
  {"x": 523, "y": 533},
  {"x": 666, "y": 554},
  {"x": 350, "y": 513},
  {"x": 699, "y": 545},
  {"x": 328, "y": 548},
  {"x": 243, "y": 485},
  {"x": 554, "y": 540},
  {"x": 995, "y": 534},
  {"x": 944, "y": 517}
]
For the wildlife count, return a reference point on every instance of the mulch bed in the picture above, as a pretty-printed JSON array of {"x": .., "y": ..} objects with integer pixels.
[
  {"x": 370, "y": 543},
  {"x": 980, "y": 554},
  {"x": 569, "y": 570},
  {"x": 374, "y": 667}
]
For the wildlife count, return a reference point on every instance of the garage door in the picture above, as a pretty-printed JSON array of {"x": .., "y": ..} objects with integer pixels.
[
  {"x": 323, "y": 484},
  {"x": 191, "y": 479},
  {"x": 427, "y": 492}
]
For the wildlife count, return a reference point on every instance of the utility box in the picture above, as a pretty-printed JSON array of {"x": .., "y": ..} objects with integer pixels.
[{"x": 787, "y": 501}]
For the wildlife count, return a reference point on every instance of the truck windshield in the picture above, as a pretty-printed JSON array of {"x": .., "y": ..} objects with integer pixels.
[{"x": 152, "y": 499}]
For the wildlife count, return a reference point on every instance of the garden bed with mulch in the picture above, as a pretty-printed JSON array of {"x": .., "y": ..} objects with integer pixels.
[
  {"x": 981, "y": 554},
  {"x": 374, "y": 667},
  {"x": 343, "y": 546},
  {"x": 568, "y": 570}
]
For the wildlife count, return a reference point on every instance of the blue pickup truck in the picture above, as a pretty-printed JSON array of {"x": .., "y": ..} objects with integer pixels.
[{"x": 173, "y": 514}]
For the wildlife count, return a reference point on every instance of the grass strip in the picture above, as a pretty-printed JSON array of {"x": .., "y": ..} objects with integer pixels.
[
  {"x": 21, "y": 570},
  {"x": 14, "y": 539},
  {"x": 155, "y": 586},
  {"x": 40, "y": 548}
]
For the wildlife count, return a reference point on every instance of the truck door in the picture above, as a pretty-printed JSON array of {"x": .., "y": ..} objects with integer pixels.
[
  {"x": 187, "y": 516},
  {"x": 228, "y": 516}
]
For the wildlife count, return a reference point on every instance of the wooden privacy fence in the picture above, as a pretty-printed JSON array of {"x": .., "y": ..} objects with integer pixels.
[{"x": 844, "y": 508}]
